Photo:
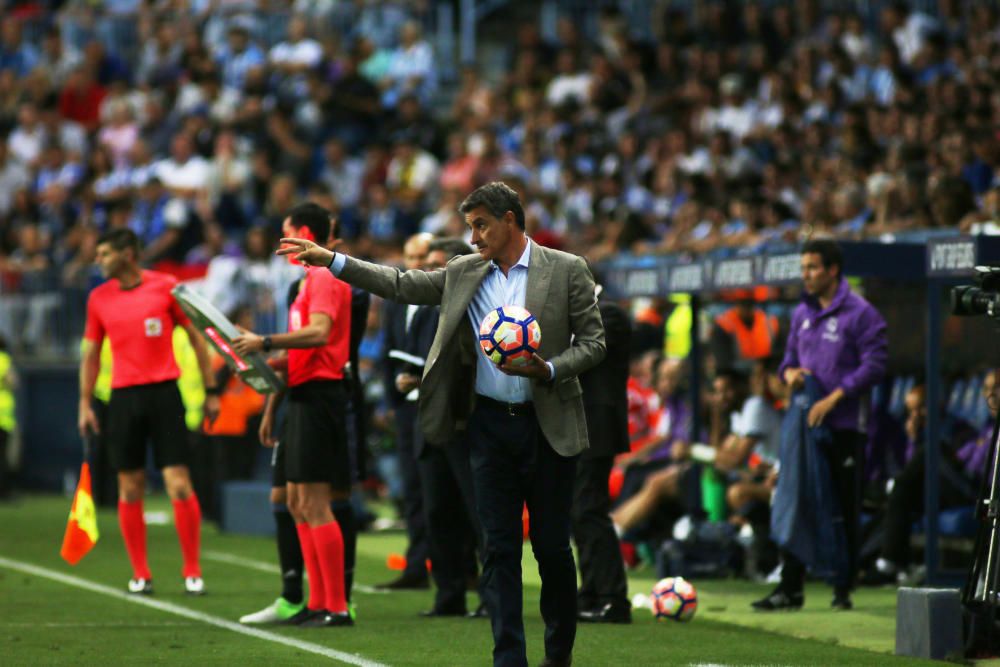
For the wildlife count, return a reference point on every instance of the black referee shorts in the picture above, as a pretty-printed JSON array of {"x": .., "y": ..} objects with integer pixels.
[
  {"x": 147, "y": 413},
  {"x": 313, "y": 446}
]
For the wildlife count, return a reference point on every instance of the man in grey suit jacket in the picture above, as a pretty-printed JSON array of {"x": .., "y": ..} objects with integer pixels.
[{"x": 526, "y": 425}]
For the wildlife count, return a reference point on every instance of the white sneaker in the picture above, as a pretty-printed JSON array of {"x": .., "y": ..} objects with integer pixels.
[
  {"x": 279, "y": 611},
  {"x": 140, "y": 586},
  {"x": 194, "y": 585}
]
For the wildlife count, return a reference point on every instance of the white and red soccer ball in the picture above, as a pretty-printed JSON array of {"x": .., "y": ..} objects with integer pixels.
[
  {"x": 509, "y": 335},
  {"x": 674, "y": 598}
]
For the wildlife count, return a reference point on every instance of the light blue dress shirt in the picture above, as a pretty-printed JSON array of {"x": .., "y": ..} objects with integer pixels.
[
  {"x": 499, "y": 290},
  {"x": 496, "y": 290}
]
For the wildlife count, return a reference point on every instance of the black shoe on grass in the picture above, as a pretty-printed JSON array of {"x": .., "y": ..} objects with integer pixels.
[{"x": 780, "y": 600}]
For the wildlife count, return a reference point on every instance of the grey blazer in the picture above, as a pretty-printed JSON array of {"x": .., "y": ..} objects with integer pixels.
[{"x": 560, "y": 294}]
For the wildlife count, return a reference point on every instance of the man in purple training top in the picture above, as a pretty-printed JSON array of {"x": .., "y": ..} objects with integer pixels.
[{"x": 838, "y": 338}]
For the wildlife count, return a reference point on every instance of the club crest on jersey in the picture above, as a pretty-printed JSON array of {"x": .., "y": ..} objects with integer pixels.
[
  {"x": 805, "y": 324},
  {"x": 295, "y": 321},
  {"x": 830, "y": 333},
  {"x": 154, "y": 327}
]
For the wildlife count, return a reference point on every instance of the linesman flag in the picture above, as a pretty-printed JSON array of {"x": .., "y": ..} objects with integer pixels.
[{"x": 81, "y": 529}]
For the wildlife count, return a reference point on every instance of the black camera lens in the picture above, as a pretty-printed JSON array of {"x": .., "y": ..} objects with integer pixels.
[{"x": 969, "y": 300}]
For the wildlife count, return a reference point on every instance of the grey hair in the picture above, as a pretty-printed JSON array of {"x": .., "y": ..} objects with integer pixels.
[{"x": 497, "y": 198}]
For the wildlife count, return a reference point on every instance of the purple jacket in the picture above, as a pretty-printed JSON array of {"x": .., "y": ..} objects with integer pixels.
[
  {"x": 844, "y": 346},
  {"x": 972, "y": 455},
  {"x": 674, "y": 424}
]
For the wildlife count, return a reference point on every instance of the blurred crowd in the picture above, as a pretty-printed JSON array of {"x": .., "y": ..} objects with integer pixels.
[{"x": 199, "y": 123}]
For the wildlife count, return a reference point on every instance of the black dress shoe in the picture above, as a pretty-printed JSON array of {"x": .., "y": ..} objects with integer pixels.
[
  {"x": 609, "y": 613},
  {"x": 557, "y": 662},
  {"x": 480, "y": 612},
  {"x": 842, "y": 601},
  {"x": 780, "y": 600},
  {"x": 405, "y": 583},
  {"x": 435, "y": 612}
]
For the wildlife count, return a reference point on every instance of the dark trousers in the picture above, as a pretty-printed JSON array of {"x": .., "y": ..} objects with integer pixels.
[
  {"x": 413, "y": 497},
  {"x": 907, "y": 500},
  {"x": 845, "y": 458},
  {"x": 452, "y": 523},
  {"x": 220, "y": 459},
  {"x": 513, "y": 464},
  {"x": 602, "y": 572}
]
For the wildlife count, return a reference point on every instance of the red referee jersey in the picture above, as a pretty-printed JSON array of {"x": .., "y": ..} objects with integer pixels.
[
  {"x": 140, "y": 323},
  {"x": 320, "y": 293}
]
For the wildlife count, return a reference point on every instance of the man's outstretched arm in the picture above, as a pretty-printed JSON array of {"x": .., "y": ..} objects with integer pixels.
[{"x": 417, "y": 287}]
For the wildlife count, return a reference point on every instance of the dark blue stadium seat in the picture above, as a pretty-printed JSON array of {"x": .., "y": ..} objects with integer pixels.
[{"x": 954, "y": 522}]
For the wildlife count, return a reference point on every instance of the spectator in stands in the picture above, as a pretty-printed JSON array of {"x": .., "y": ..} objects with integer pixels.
[
  {"x": 909, "y": 29},
  {"x": 13, "y": 177},
  {"x": 16, "y": 54},
  {"x": 161, "y": 55},
  {"x": 962, "y": 465},
  {"x": 28, "y": 138},
  {"x": 299, "y": 53},
  {"x": 238, "y": 56},
  {"x": 411, "y": 68},
  {"x": 840, "y": 340},
  {"x": 352, "y": 108},
  {"x": 57, "y": 58},
  {"x": 412, "y": 175},
  {"x": 81, "y": 97},
  {"x": 119, "y": 133}
]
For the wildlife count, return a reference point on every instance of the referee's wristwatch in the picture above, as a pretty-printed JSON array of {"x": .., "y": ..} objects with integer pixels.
[{"x": 266, "y": 343}]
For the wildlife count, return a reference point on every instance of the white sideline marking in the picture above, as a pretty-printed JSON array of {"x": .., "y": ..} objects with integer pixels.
[
  {"x": 223, "y": 557},
  {"x": 184, "y": 612},
  {"x": 108, "y": 624},
  {"x": 271, "y": 568}
]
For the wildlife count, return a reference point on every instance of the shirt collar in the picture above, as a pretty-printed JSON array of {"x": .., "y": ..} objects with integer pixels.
[{"x": 523, "y": 261}]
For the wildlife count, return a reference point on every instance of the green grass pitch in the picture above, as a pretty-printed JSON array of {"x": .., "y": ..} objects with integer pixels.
[{"x": 45, "y": 621}]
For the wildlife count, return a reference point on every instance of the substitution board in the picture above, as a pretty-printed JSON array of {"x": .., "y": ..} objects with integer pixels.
[{"x": 220, "y": 332}]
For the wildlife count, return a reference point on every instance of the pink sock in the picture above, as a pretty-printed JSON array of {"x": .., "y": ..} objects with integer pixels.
[
  {"x": 133, "y": 527},
  {"x": 330, "y": 550},
  {"x": 187, "y": 519},
  {"x": 312, "y": 566}
]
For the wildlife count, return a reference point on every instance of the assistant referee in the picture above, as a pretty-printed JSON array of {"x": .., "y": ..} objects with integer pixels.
[{"x": 135, "y": 310}]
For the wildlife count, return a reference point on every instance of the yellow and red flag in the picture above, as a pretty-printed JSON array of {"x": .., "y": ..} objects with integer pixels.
[{"x": 81, "y": 530}]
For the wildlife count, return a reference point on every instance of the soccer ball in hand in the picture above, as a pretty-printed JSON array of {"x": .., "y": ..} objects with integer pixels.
[
  {"x": 509, "y": 335},
  {"x": 674, "y": 598}
]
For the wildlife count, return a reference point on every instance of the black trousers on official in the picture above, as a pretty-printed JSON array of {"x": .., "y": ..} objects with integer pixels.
[
  {"x": 602, "y": 571},
  {"x": 906, "y": 501},
  {"x": 452, "y": 522},
  {"x": 845, "y": 458},
  {"x": 413, "y": 497},
  {"x": 513, "y": 464}
]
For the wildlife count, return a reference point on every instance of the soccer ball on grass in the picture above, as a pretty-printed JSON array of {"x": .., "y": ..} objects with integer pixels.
[{"x": 674, "y": 598}]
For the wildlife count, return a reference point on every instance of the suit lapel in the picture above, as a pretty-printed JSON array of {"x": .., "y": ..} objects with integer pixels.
[
  {"x": 539, "y": 276},
  {"x": 470, "y": 277},
  {"x": 468, "y": 282}
]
